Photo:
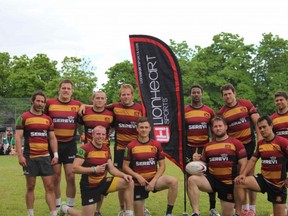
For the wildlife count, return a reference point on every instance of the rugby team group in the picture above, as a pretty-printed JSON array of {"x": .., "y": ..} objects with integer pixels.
[{"x": 230, "y": 142}]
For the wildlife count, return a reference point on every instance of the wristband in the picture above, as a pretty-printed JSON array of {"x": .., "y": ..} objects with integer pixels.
[
  {"x": 94, "y": 169},
  {"x": 56, "y": 155}
]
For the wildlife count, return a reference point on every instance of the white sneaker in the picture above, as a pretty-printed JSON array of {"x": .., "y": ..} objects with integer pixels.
[
  {"x": 214, "y": 212},
  {"x": 121, "y": 213},
  {"x": 146, "y": 212}
]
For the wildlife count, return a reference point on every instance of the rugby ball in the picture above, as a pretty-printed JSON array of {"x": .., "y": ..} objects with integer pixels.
[{"x": 195, "y": 168}]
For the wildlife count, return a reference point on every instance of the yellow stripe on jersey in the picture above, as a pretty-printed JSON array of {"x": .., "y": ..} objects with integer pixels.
[
  {"x": 281, "y": 119},
  {"x": 37, "y": 120},
  {"x": 197, "y": 113},
  {"x": 148, "y": 175},
  {"x": 124, "y": 137},
  {"x": 242, "y": 133},
  {"x": 235, "y": 110},
  {"x": 94, "y": 179},
  {"x": 38, "y": 146},
  {"x": 197, "y": 138},
  {"x": 271, "y": 174},
  {"x": 269, "y": 147},
  {"x": 221, "y": 145},
  {"x": 98, "y": 117},
  {"x": 144, "y": 149},
  {"x": 221, "y": 171},
  {"x": 126, "y": 112},
  {"x": 97, "y": 154},
  {"x": 64, "y": 132},
  {"x": 64, "y": 107}
]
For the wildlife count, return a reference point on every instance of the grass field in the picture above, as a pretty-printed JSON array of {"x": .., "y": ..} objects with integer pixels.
[{"x": 12, "y": 192}]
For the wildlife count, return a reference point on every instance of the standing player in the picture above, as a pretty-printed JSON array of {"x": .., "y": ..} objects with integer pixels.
[
  {"x": 273, "y": 151},
  {"x": 126, "y": 114},
  {"x": 241, "y": 117},
  {"x": 94, "y": 116},
  {"x": 37, "y": 129},
  {"x": 142, "y": 158},
  {"x": 197, "y": 122},
  {"x": 64, "y": 113},
  {"x": 223, "y": 157},
  {"x": 94, "y": 161}
]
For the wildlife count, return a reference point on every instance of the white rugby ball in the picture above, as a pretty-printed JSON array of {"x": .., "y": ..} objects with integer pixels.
[{"x": 195, "y": 168}]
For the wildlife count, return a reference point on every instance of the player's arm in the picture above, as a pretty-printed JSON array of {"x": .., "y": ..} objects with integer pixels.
[
  {"x": 245, "y": 169},
  {"x": 18, "y": 140},
  {"x": 54, "y": 147},
  {"x": 115, "y": 172},
  {"x": 127, "y": 169},
  {"x": 255, "y": 117},
  {"x": 160, "y": 171}
]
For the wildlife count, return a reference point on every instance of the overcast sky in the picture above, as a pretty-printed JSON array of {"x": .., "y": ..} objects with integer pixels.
[{"x": 100, "y": 29}]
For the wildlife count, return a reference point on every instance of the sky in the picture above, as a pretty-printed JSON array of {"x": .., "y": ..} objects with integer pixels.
[{"x": 99, "y": 30}]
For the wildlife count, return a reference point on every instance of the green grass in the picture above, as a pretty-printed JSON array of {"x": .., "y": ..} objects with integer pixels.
[{"x": 12, "y": 190}]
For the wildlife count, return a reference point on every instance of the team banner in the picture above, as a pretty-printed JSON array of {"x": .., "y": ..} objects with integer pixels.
[{"x": 160, "y": 87}]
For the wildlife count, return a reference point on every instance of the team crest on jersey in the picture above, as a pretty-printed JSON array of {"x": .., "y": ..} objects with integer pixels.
[
  {"x": 153, "y": 149},
  {"x": 207, "y": 115},
  {"x": 107, "y": 119},
  {"x": 136, "y": 114},
  {"x": 227, "y": 146},
  {"x": 73, "y": 109}
]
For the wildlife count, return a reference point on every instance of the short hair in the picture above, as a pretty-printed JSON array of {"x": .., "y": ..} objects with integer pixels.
[
  {"x": 263, "y": 118},
  {"x": 281, "y": 94},
  {"x": 218, "y": 118},
  {"x": 142, "y": 119},
  {"x": 65, "y": 81},
  {"x": 98, "y": 126},
  {"x": 226, "y": 87},
  {"x": 196, "y": 86},
  {"x": 126, "y": 86},
  {"x": 35, "y": 94},
  {"x": 96, "y": 92}
]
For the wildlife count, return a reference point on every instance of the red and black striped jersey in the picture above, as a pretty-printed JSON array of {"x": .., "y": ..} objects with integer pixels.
[
  {"x": 64, "y": 116},
  {"x": 274, "y": 159},
  {"x": 93, "y": 157},
  {"x": 280, "y": 124},
  {"x": 238, "y": 117},
  {"x": 197, "y": 123},
  {"x": 222, "y": 158},
  {"x": 92, "y": 118},
  {"x": 36, "y": 130},
  {"x": 125, "y": 118},
  {"x": 144, "y": 157}
]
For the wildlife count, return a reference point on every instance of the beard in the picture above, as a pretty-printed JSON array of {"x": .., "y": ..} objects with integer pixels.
[{"x": 220, "y": 134}]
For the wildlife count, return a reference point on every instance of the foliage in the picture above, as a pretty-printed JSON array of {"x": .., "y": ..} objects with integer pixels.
[
  {"x": 119, "y": 74},
  {"x": 270, "y": 69}
]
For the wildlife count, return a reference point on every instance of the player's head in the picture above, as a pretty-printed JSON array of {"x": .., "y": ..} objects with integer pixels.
[
  {"x": 265, "y": 126},
  {"x": 38, "y": 101},
  {"x": 99, "y": 99},
  {"x": 196, "y": 92},
  {"x": 65, "y": 90},
  {"x": 219, "y": 126},
  {"x": 38, "y": 93},
  {"x": 228, "y": 93},
  {"x": 143, "y": 127},
  {"x": 126, "y": 94}
]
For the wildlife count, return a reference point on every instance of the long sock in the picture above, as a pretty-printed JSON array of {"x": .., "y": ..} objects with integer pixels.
[
  {"x": 169, "y": 209},
  {"x": 53, "y": 213},
  {"x": 70, "y": 201},
  {"x": 252, "y": 207},
  {"x": 30, "y": 212},
  {"x": 58, "y": 202},
  {"x": 212, "y": 200},
  {"x": 245, "y": 207}
]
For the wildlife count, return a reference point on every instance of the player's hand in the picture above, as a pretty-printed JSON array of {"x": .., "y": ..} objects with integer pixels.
[
  {"x": 81, "y": 111},
  {"x": 127, "y": 178},
  {"x": 54, "y": 161},
  {"x": 196, "y": 156},
  {"x": 101, "y": 168},
  {"x": 240, "y": 179},
  {"x": 22, "y": 160},
  {"x": 142, "y": 181}
]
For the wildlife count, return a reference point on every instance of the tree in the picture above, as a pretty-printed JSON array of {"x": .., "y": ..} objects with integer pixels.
[
  {"x": 227, "y": 60},
  {"x": 119, "y": 74},
  {"x": 81, "y": 73},
  {"x": 5, "y": 67},
  {"x": 270, "y": 71}
]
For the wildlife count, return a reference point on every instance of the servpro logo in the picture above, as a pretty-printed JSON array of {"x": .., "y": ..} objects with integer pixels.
[{"x": 162, "y": 133}]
